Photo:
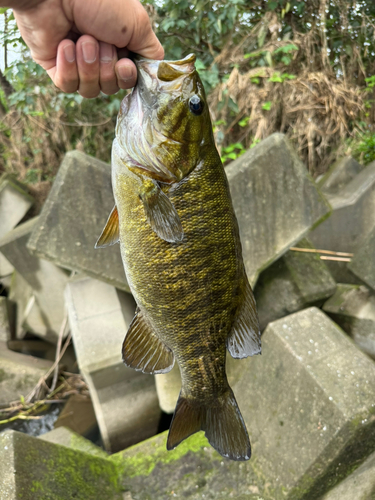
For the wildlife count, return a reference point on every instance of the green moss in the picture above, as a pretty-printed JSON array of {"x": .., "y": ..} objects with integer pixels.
[
  {"x": 47, "y": 471},
  {"x": 153, "y": 451}
]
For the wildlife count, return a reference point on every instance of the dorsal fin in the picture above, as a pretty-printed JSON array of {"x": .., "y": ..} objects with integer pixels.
[
  {"x": 110, "y": 234},
  {"x": 160, "y": 212},
  {"x": 244, "y": 338},
  {"x": 143, "y": 350}
]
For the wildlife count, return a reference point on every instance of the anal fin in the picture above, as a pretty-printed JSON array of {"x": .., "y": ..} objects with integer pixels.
[
  {"x": 110, "y": 234},
  {"x": 244, "y": 338},
  {"x": 160, "y": 212},
  {"x": 143, "y": 350}
]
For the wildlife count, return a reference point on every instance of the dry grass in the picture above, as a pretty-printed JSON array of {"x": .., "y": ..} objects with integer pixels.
[{"x": 316, "y": 109}]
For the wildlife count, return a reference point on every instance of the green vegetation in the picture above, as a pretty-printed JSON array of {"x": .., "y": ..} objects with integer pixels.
[{"x": 306, "y": 69}]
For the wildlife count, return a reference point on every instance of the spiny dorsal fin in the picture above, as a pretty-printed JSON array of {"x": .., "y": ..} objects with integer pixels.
[
  {"x": 143, "y": 350},
  {"x": 161, "y": 214},
  {"x": 110, "y": 234},
  {"x": 244, "y": 338},
  {"x": 223, "y": 425}
]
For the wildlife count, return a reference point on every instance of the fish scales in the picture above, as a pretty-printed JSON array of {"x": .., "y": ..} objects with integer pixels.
[
  {"x": 183, "y": 317},
  {"x": 181, "y": 250}
]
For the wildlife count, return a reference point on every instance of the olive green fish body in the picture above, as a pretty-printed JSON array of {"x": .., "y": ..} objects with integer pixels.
[
  {"x": 188, "y": 290},
  {"x": 181, "y": 250}
]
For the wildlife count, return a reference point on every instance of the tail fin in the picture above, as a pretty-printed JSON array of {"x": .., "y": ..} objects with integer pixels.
[{"x": 223, "y": 425}]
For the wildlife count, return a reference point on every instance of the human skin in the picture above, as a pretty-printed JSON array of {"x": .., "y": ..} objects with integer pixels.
[{"x": 83, "y": 44}]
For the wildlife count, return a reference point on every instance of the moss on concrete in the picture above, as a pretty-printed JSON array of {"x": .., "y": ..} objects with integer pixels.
[{"x": 47, "y": 471}]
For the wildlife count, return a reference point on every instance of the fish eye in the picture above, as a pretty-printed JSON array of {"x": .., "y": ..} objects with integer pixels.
[{"x": 196, "y": 105}]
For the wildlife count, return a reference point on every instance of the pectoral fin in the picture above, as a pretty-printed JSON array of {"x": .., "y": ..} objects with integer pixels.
[
  {"x": 110, "y": 233},
  {"x": 244, "y": 338},
  {"x": 160, "y": 212},
  {"x": 143, "y": 350}
]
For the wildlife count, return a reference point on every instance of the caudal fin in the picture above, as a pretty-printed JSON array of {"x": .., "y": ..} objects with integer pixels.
[{"x": 223, "y": 425}]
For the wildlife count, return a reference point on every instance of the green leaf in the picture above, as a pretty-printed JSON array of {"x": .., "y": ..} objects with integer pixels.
[
  {"x": 286, "y": 48},
  {"x": 244, "y": 121},
  {"x": 268, "y": 58},
  {"x": 267, "y": 105}
]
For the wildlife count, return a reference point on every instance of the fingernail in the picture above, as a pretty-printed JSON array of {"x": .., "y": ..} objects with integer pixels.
[
  {"x": 70, "y": 53},
  {"x": 125, "y": 73},
  {"x": 89, "y": 52},
  {"x": 106, "y": 53}
]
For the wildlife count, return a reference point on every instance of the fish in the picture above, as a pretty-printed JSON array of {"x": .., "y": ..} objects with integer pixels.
[{"x": 181, "y": 250}]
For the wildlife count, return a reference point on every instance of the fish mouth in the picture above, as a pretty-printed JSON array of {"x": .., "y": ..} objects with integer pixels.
[{"x": 155, "y": 76}]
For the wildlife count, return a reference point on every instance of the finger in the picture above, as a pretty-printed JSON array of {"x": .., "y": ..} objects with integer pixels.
[
  {"x": 107, "y": 74},
  {"x": 65, "y": 73},
  {"x": 87, "y": 51},
  {"x": 126, "y": 72},
  {"x": 144, "y": 41}
]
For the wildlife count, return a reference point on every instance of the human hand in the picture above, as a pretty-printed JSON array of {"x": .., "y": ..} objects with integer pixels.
[{"x": 77, "y": 41}]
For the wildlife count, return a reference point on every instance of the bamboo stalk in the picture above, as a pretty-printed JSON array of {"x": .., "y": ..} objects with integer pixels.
[
  {"x": 337, "y": 259},
  {"x": 328, "y": 252}
]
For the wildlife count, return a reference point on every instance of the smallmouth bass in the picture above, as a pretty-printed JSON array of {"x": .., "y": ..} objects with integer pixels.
[{"x": 181, "y": 251}]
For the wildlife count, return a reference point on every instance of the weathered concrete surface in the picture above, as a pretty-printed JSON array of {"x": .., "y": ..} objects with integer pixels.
[
  {"x": 296, "y": 281},
  {"x": 6, "y": 319},
  {"x": 6, "y": 267},
  {"x": 14, "y": 203},
  {"x": 309, "y": 406},
  {"x": 66, "y": 437},
  {"x": 168, "y": 386},
  {"x": 340, "y": 174},
  {"x": 363, "y": 262},
  {"x": 351, "y": 222},
  {"x": 19, "y": 374},
  {"x": 353, "y": 308},
  {"x": 33, "y": 469},
  {"x": 21, "y": 294},
  {"x": 358, "y": 486},
  {"x": 73, "y": 218},
  {"x": 125, "y": 401},
  {"x": 78, "y": 415},
  {"x": 275, "y": 199},
  {"x": 44, "y": 318}
]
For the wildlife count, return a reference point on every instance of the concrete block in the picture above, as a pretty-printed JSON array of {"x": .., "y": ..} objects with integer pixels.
[
  {"x": 78, "y": 415},
  {"x": 6, "y": 319},
  {"x": 351, "y": 222},
  {"x": 66, "y": 437},
  {"x": 275, "y": 199},
  {"x": 21, "y": 294},
  {"x": 45, "y": 316},
  {"x": 363, "y": 262},
  {"x": 73, "y": 218},
  {"x": 34, "y": 469},
  {"x": 296, "y": 281},
  {"x": 309, "y": 406},
  {"x": 353, "y": 308},
  {"x": 14, "y": 203},
  {"x": 168, "y": 387},
  {"x": 340, "y": 174},
  {"x": 6, "y": 267},
  {"x": 125, "y": 401},
  {"x": 360, "y": 485},
  {"x": 19, "y": 374}
]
